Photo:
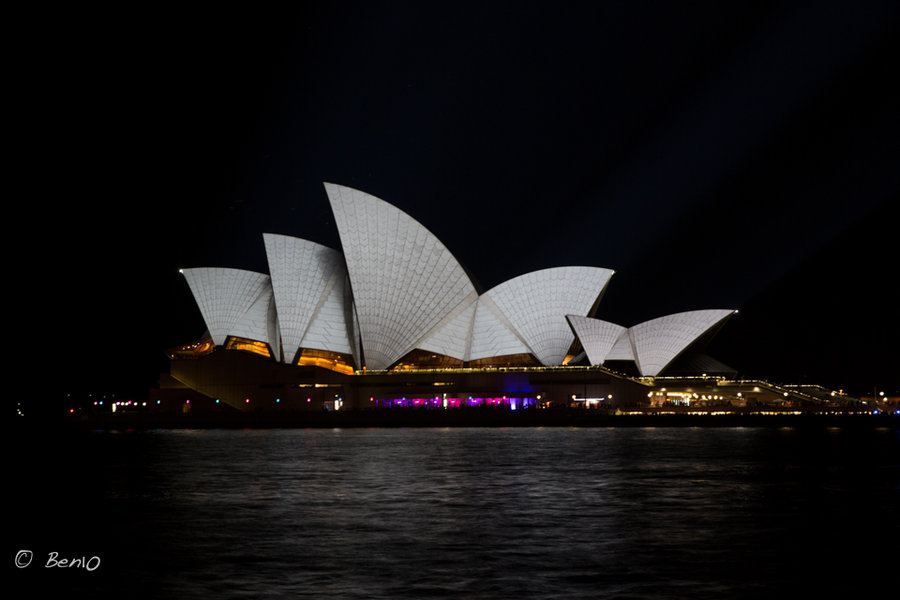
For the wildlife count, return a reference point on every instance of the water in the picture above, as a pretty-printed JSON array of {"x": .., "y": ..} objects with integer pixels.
[{"x": 471, "y": 513}]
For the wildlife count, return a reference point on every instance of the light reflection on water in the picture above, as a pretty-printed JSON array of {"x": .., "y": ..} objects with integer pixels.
[{"x": 495, "y": 513}]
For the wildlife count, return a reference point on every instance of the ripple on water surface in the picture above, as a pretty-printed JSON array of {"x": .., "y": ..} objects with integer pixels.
[{"x": 484, "y": 512}]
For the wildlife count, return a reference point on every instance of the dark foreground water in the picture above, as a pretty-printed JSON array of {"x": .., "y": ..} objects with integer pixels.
[{"x": 468, "y": 513}]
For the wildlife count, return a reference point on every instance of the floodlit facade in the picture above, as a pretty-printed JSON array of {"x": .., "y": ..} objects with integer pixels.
[
  {"x": 232, "y": 302},
  {"x": 309, "y": 282},
  {"x": 652, "y": 345},
  {"x": 405, "y": 281},
  {"x": 395, "y": 299},
  {"x": 598, "y": 338},
  {"x": 532, "y": 303}
]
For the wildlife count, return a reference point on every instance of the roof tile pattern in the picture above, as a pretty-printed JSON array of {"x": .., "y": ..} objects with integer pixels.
[
  {"x": 260, "y": 322},
  {"x": 622, "y": 349},
  {"x": 453, "y": 336},
  {"x": 597, "y": 337},
  {"x": 397, "y": 288},
  {"x": 328, "y": 329},
  {"x": 659, "y": 341},
  {"x": 224, "y": 296},
  {"x": 405, "y": 281},
  {"x": 536, "y": 304},
  {"x": 303, "y": 276},
  {"x": 492, "y": 334}
]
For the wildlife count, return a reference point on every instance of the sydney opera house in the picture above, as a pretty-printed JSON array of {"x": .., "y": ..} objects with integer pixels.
[{"x": 393, "y": 320}]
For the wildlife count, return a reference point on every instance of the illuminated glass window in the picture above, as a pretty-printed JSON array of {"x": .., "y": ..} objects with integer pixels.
[
  {"x": 333, "y": 361},
  {"x": 194, "y": 350},
  {"x": 254, "y": 347}
]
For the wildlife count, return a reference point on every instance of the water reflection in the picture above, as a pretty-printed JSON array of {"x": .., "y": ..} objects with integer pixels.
[{"x": 532, "y": 513}]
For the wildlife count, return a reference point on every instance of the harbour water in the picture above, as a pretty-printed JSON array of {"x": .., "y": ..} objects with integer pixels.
[{"x": 552, "y": 512}]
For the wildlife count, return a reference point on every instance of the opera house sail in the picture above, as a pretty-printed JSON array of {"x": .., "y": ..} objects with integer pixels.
[
  {"x": 404, "y": 280},
  {"x": 652, "y": 345},
  {"x": 394, "y": 299}
]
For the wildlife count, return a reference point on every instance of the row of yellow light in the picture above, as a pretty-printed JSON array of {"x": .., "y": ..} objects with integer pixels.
[
  {"x": 774, "y": 413},
  {"x": 688, "y": 396}
]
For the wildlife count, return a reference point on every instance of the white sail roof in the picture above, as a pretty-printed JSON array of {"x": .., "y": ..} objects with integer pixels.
[
  {"x": 622, "y": 349},
  {"x": 453, "y": 335},
  {"x": 597, "y": 337},
  {"x": 493, "y": 334},
  {"x": 329, "y": 327},
  {"x": 405, "y": 281},
  {"x": 308, "y": 283},
  {"x": 536, "y": 304},
  {"x": 397, "y": 288},
  {"x": 225, "y": 295},
  {"x": 260, "y": 322},
  {"x": 659, "y": 341}
]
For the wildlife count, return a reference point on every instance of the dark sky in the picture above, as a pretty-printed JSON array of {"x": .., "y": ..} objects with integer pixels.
[{"x": 716, "y": 155}]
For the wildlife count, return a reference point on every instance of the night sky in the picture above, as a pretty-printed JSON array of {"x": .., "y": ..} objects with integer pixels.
[{"x": 715, "y": 155}]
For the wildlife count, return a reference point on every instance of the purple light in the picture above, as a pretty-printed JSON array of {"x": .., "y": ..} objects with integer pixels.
[{"x": 512, "y": 403}]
